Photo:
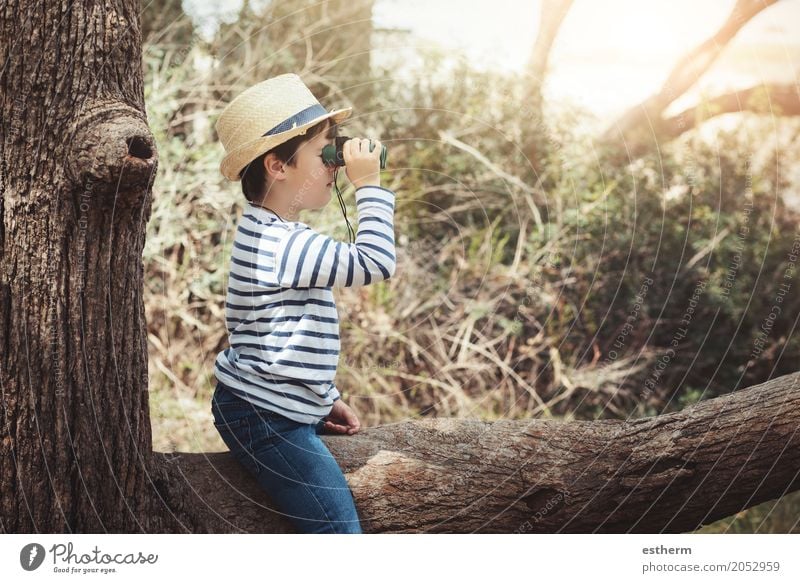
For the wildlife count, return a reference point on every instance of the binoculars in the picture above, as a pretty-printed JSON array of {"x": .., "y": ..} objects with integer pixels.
[{"x": 332, "y": 155}]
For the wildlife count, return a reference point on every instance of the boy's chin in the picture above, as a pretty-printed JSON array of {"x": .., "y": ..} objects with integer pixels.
[{"x": 323, "y": 202}]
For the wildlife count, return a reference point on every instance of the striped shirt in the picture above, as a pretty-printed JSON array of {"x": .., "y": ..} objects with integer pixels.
[{"x": 283, "y": 327}]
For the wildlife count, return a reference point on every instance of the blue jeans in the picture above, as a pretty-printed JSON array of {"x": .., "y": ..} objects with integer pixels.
[{"x": 290, "y": 462}]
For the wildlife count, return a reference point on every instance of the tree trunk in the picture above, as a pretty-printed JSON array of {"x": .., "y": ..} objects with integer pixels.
[
  {"x": 669, "y": 473},
  {"x": 536, "y": 141},
  {"x": 77, "y": 163},
  {"x": 551, "y": 16}
]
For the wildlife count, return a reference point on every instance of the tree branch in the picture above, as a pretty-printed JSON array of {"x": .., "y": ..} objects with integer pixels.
[
  {"x": 669, "y": 473},
  {"x": 783, "y": 100},
  {"x": 551, "y": 16},
  {"x": 684, "y": 74}
]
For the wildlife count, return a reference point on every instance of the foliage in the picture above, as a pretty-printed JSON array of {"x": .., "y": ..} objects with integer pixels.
[{"x": 536, "y": 275}]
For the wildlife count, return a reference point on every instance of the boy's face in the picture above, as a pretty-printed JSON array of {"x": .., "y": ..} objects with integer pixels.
[{"x": 309, "y": 179}]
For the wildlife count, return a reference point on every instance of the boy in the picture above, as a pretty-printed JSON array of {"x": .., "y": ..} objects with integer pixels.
[{"x": 276, "y": 389}]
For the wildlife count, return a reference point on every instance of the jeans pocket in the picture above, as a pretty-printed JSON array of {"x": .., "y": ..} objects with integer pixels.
[
  {"x": 238, "y": 436},
  {"x": 230, "y": 416},
  {"x": 229, "y": 410},
  {"x": 231, "y": 421}
]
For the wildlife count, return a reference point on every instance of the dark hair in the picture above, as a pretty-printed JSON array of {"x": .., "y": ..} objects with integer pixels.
[{"x": 254, "y": 175}]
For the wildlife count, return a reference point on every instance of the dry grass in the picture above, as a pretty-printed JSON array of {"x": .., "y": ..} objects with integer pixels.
[{"x": 507, "y": 295}]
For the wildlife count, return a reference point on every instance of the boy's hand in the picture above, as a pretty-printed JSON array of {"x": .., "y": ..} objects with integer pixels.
[
  {"x": 362, "y": 166},
  {"x": 342, "y": 419}
]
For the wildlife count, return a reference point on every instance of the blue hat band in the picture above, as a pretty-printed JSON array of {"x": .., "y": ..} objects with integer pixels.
[{"x": 298, "y": 119}]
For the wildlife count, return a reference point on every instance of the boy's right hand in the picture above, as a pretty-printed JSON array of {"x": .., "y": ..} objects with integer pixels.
[{"x": 362, "y": 166}]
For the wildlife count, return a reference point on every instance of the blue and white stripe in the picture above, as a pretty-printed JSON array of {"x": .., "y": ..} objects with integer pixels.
[{"x": 281, "y": 315}]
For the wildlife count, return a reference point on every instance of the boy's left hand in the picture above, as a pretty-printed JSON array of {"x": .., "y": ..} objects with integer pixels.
[{"x": 342, "y": 419}]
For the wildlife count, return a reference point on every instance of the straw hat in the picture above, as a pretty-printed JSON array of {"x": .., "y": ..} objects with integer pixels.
[{"x": 266, "y": 115}]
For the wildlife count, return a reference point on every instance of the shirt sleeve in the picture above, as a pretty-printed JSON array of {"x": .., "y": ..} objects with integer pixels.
[
  {"x": 306, "y": 258},
  {"x": 334, "y": 392}
]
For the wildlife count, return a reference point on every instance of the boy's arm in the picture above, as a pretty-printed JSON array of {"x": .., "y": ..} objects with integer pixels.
[
  {"x": 306, "y": 258},
  {"x": 334, "y": 392}
]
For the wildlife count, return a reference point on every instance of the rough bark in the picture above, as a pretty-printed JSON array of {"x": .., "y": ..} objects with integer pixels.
[
  {"x": 669, "y": 473},
  {"x": 77, "y": 163},
  {"x": 639, "y": 128}
]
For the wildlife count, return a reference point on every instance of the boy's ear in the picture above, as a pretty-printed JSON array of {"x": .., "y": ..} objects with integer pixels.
[{"x": 274, "y": 167}]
